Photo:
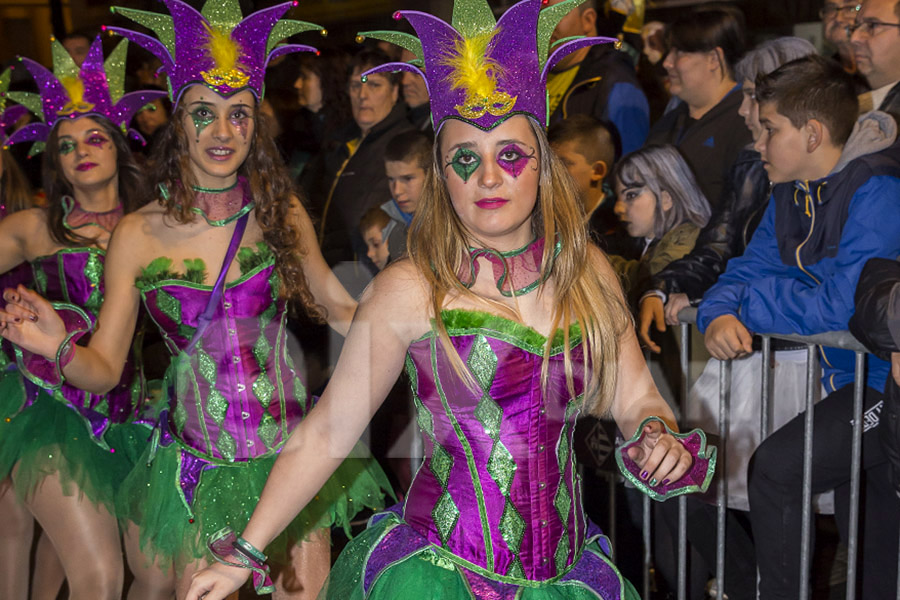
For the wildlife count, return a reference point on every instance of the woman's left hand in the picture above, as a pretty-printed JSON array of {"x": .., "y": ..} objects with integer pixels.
[
  {"x": 661, "y": 457},
  {"x": 216, "y": 582}
]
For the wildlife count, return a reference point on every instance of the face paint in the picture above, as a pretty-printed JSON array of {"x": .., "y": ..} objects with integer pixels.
[
  {"x": 513, "y": 159},
  {"x": 465, "y": 163},
  {"x": 240, "y": 119},
  {"x": 66, "y": 147},
  {"x": 202, "y": 117},
  {"x": 97, "y": 140}
]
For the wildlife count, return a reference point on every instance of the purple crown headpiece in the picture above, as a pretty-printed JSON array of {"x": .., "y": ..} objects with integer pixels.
[
  {"x": 8, "y": 114},
  {"x": 216, "y": 47},
  {"x": 71, "y": 92},
  {"x": 482, "y": 71}
]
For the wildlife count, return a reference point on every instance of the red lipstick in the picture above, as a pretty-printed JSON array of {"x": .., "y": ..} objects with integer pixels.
[
  {"x": 85, "y": 166},
  {"x": 491, "y": 203}
]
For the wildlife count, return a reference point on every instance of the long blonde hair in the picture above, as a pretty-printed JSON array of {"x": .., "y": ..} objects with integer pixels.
[{"x": 438, "y": 246}]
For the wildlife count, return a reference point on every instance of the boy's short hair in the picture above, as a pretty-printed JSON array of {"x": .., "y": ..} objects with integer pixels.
[
  {"x": 812, "y": 87},
  {"x": 374, "y": 217},
  {"x": 410, "y": 146},
  {"x": 592, "y": 138}
]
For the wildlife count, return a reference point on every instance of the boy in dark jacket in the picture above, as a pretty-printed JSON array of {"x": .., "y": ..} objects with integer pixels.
[{"x": 836, "y": 204}]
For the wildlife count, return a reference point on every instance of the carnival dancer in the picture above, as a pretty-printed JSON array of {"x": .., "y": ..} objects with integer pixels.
[
  {"x": 509, "y": 324},
  {"x": 233, "y": 393},
  {"x": 18, "y": 524},
  {"x": 68, "y": 450}
]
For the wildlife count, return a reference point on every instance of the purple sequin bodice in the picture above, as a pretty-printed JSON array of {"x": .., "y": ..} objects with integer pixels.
[
  {"x": 498, "y": 488},
  {"x": 237, "y": 396},
  {"x": 75, "y": 276}
]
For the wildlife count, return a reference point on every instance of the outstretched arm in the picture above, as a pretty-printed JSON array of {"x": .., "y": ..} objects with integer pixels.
[
  {"x": 660, "y": 456},
  {"x": 391, "y": 314},
  {"x": 325, "y": 287}
]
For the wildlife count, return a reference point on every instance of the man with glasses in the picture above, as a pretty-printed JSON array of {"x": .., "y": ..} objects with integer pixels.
[
  {"x": 875, "y": 37},
  {"x": 836, "y": 17}
]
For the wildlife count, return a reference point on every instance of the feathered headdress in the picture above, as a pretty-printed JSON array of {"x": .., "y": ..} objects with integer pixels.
[
  {"x": 480, "y": 70},
  {"x": 216, "y": 47},
  {"x": 69, "y": 92}
]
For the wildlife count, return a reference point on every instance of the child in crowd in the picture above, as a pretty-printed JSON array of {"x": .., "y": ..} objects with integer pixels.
[
  {"x": 833, "y": 207},
  {"x": 660, "y": 204},
  {"x": 407, "y": 160},
  {"x": 376, "y": 228},
  {"x": 588, "y": 150}
]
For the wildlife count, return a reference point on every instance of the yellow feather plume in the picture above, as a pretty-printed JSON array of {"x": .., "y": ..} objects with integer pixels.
[
  {"x": 473, "y": 71},
  {"x": 75, "y": 88},
  {"x": 224, "y": 51}
]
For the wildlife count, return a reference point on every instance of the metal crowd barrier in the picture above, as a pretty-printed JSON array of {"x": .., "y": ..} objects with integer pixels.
[{"x": 832, "y": 339}]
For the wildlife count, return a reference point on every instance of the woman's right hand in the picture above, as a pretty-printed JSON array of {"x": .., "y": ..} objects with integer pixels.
[
  {"x": 216, "y": 582},
  {"x": 31, "y": 322}
]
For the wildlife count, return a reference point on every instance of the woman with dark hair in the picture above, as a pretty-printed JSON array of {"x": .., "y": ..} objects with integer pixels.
[
  {"x": 66, "y": 451},
  {"x": 704, "y": 46},
  {"x": 214, "y": 262}
]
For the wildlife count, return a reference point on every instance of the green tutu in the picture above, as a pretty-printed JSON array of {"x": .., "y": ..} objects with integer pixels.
[
  {"x": 48, "y": 437},
  {"x": 226, "y": 497},
  {"x": 391, "y": 561}
]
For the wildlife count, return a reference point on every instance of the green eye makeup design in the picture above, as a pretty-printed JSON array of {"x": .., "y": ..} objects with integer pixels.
[
  {"x": 465, "y": 162},
  {"x": 66, "y": 147},
  {"x": 202, "y": 118}
]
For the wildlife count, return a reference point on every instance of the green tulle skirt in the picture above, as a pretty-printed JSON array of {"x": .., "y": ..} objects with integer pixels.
[
  {"x": 226, "y": 496},
  {"x": 48, "y": 437},
  {"x": 380, "y": 565}
]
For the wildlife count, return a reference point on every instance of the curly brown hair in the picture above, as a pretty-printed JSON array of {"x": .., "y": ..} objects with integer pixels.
[
  {"x": 270, "y": 186},
  {"x": 132, "y": 184}
]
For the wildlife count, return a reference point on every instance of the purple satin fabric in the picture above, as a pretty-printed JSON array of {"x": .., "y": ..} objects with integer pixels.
[
  {"x": 247, "y": 325},
  {"x": 75, "y": 276},
  {"x": 533, "y": 426}
]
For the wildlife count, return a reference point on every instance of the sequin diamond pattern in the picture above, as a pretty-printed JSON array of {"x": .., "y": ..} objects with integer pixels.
[
  {"x": 492, "y": 450},
  {"x": 237, "y": 396}
]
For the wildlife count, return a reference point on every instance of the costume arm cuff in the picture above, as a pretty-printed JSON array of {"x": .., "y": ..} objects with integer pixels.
[
  {"x": 227, "y": 549},
  {"x": 698, "y": 477},
  {"x": 47, "y": 372}
]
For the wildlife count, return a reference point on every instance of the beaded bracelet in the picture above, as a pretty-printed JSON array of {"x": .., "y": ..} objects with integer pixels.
[{"x": 234, "y": 551}]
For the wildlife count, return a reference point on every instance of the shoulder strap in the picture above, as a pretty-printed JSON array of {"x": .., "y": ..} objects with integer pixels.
[{"x": 205, "y": 317}]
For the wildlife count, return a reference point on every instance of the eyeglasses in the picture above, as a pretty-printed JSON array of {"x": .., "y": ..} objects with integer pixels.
[
  {"x": 844, "y": 11},
  {"x": 867, "y": 28}
]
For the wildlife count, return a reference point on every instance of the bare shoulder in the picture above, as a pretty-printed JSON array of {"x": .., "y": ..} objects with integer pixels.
[
  {"x": 27, "y": 221},
  {"x": 399, "y": 295}
]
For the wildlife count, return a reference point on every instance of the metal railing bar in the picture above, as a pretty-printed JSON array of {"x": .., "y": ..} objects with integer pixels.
[
  {"x": 682, "y": 500},
  {"x": 859, "y": 384},
  {"x": 812, "y": 380},
  {"x": 722, "y": 491},
  {"x": 648, "y": 548}
]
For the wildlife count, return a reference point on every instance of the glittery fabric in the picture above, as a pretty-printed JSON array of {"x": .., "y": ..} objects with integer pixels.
[
  {"x": 519, "y": 53},
  {"x": 226, "y": 402},
  {"x": 101, "y": 86},
  {"x": 516, "y": 272},
  {"x": 9, "y": 114},
  {"x": 183, "y": 46},
  {"x": 236, "y": 399},
  {"x": 74, "y": 276},
  {"x": 491, "y": 452},
  {"x": 697, "y": 479},
  {"x": 46, "y": 437}
]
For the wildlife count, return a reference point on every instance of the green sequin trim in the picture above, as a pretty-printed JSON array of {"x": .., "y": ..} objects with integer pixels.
[
  {"x": 93, "y": 271},
  {"x": 471, "y": 322},
  {"x": 223, "y": 222},
  {"x": 160, "y": 269},
  {"x": 263, "y": 389},
  {"x": 268, "y": 430}
]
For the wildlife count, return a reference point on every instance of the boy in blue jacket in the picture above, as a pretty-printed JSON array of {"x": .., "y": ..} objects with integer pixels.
[{"x": 836, "y": 204}]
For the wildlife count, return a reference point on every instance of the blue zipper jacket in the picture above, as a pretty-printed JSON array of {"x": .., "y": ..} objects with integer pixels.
[{"x": 799, "y": 272}]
